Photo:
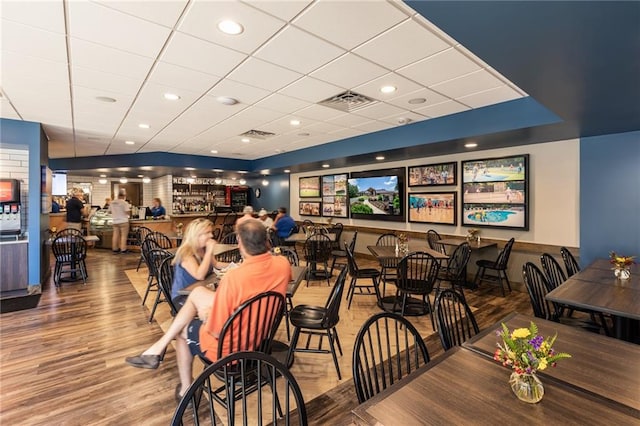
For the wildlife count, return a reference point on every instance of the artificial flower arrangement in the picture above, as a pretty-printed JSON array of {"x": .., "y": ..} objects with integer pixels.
[
  {"x": 473, "y": 234},
  {"x": 179, "y": 228},
  {"x": 621, "y": 262}
]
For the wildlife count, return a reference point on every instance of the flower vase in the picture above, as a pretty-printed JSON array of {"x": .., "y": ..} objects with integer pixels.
[
  {"x": 622, "y": 273},
  {"x": 527, "y": 387}
]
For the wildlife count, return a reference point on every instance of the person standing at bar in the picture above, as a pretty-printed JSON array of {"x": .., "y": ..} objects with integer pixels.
[
  {"x": 119, "y": 210},
  {"x": 75, "y": 208}
]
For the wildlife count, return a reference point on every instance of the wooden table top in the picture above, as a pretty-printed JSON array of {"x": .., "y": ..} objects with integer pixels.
[
  {"x": 390, "y": 252},
  {"x": 597, "y": 289},
  {"x": 605, "y": 264},
  {"x": 87, "y": 238},
  {"x": 595, "y": 363},
  {"x": 301, "y": 237},
  {"x": 218, "y": 248},
  {"x": 474, "y": 245},
  {"x": 463, "y": 387}
]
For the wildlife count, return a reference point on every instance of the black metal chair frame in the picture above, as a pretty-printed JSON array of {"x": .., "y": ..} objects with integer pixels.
[
  {"x": 156, "y": 257},
  {"x": 381, "y": 359},
  {"x": 161, "y": 239},
  {"x": 356, "y": 273},
  {"x": 499, "y": 266},
  {"x": 417, "y": 276},
  {"x": 342, "y": 254},
  {"x": 165, "y": 278},
  {"x": 455, "y": 321},
  {"x": 570, "y": 263},
  {"x": 319, "y": 321},
  {"x": 456, "y": 270},
  {"x": 433, "y": 239},
  {"x": 141, "y": 234},
  {"x": 69, "y": 250},
  {"x": 293, "y": 259},
  {"x": 147, "y": 245},
  {"x": 237, "y": 371},
  {"x": 388, "y": 266},
  {"x": 317, "y": 250}
]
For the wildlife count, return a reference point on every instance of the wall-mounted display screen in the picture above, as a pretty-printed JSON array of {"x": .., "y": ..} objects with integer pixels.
[
  {"x": 334, "y": 195},
  {"x": 9, "y": 191},
  {"x": 495, "y": 192},
  {"x": 433, "y": 175},
  {"x": 59, "y": 184},
  {"x": 432, "y": 207},
  {"x": 378, "y": 195},
  {"x": 309, "y": 187}
]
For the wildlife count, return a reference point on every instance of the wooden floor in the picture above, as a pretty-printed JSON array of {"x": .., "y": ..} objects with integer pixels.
[{"x": 63, "y": 362}]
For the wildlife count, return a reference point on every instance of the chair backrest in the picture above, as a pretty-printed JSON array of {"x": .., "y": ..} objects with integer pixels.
[
  {"x": 458, "y": 261},
  {"x": 141, "y": 234},
  {"x": 352, "y": 244},
  {"x": 216, "y": 233},
  {"x": 433, "y": 239},
  {"x": 307, "y": 225},
  {"x": 147, "y": 245},
  {"x": 503, "y": 257},
  {"x": 537, "y": 287},
  {"x": 317, "y": 248},
  {"x": 351, "y": 261},
  {"x": 162, "y": 240},
  {"x": 454, "y": 319},
  {"x": 155, "y": 258},
  {"x": 387, "y": 348},
  {"x": 230, "y": 256},
  {"x": 388, "y": 239},
  {"x": 252, "y": 325},
  {"x": 570, "y": 262},
  {"x": 67, "y": 248},
  {"x": 230, "y": 219},
  {"x": 165, "y": 279},
  {"x": 332, "y": 307},
  {"x": 417, "y": 273},
  {"x": 69, "y": 231},
  {"x": 552, "y": 270},
  {"x": 237, "y": 372},
  {"x": 290, "y": 253},
  {"x": 230, "y": 238}
]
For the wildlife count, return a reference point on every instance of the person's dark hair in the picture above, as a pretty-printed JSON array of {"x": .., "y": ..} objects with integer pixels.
[
  {"x": 254, "y": 238},
  {"x": 283, "y": 210}
]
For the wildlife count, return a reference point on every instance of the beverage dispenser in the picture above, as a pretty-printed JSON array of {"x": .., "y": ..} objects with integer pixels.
[{"x": 10, "y": 221}]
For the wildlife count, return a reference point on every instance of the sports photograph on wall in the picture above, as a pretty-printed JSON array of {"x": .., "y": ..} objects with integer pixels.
[
  {"x": 334, "y": 195},
  {"x": 433, "y": 175},
  {"x": 309, "y": 187},
  {"x": 432, "y": 207}
]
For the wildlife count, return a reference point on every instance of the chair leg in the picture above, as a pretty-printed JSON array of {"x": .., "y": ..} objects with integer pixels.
[
  {"x": 428, "y": 303},
  {"x": 287, "y": 309},
  {"x": 139, "y": 263},
  {"x": 333, "y": 354},
  {"x": 335, "y": 335},
  {"x": 155, "y": 305},
  {"x": 292, "y": 345},
  {"x": 149, "y": 285},
  {"x": 376, "y": 283},
  {"x": 479, "y": 276},
  {"x": 507, "y": 280},
  {"x": 352, "y": 287}
]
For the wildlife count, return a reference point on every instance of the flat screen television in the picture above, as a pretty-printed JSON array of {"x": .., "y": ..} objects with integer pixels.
[
  {"x": 378, "y": 195},
  {"x": 59, "y": 184},
  {"x": 9, "y": 191}
]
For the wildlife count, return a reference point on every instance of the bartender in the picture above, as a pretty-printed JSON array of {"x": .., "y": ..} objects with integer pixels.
[
  {"x": 75, "y": 209},
  {"x": 157, "y": 211}
]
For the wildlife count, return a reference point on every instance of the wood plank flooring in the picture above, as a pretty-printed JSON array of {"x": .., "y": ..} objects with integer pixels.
[{"x": 63, "y": 362}]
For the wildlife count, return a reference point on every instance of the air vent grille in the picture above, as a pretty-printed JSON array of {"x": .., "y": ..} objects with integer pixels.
[
  {"x": 257, "y": 134},
  {"x": 348, "y": 101}
]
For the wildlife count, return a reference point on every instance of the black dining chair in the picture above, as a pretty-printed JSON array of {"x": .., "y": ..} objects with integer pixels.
[
  {"x": 338, "y": 254},
  {"x": 317, "y": 252},
  {"x": 152, "y": 285},
  {"x": 165, "y": 280},
  {"x": 499, "y": 266},
  {"x": 433, "y": 240},
  {"x": 456, "y": 270},
  {"x": 160, "y": 239},
  {"x": 155, "y": 259},
  {"x": 387, "y": 349},
  {"x": 455, "y": 321},
  {"x": 319, "y": 321},
  {"x": 141, "y": 233},
  {"x": 417, "y": 276},
  {"x": 293, "y": 259},
  {"x": 388, "y": 266},
  {"x": 69, "y": 232},
  {"x": 238, "y": 373},
  {"x": 358, "y": 273},
  {"x": 70, "y": 253},
  {"x": 570, "y": 262}
]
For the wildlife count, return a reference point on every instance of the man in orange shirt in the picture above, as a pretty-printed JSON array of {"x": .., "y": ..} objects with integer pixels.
[{"x": 199, "y": 322}]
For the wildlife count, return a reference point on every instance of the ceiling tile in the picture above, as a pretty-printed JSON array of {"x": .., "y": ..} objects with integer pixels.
[
  {"x": 182, "y": 78},
  {"x": 99, "y": 80},
  {"x": 403, "y": 118},
  {"x": 257, "y": 73},
  {"x": 372, "y": 126},
  {"x": 102, "y": 25},
  {"x": 282, "y": 103},
  {"x": 474, "y": 82},
  {"x": 441, "y": 109},
  {"x": 245, "y": 94},
  {"x": 50, "y": 15},
  {"x": 340, "y": 71},
  {"x": 30, "y": 41},
  {"x": 33, "y": 74},
  {"x": 379, "y": 110},
  {"x": 311, "y": 90},
  {"x": 372, "y": 88},
  {"x": 7, "y": 111},
  {"x": 342, "y": 23},
  {"x": 402, "y": 45},
  {"x": 319, "y": 112},
  {"x": 106, "y": 59},
  {"x": 430, "y": 97},
  {"x": 285, "y": 10},
  {"x": 298, "y": 50},
  {"x": 349, "y": 120},
  {"x": 61, "y": 149},
  {"x": 439, "y": 67},
  {"x": 165, "y": 12},
  {"x": 200, "y": 55},
  {"x": 490, "y": 97},
  {"x": 202, "y": 18},
  {"x": 322, "y": 128}
]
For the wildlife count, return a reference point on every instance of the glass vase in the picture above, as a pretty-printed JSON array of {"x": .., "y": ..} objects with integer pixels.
[
  {"x": 527, "y": 387},
  {"x": 622, "y": 273}
]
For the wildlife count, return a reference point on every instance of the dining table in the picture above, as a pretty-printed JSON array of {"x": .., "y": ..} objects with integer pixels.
[
  {"x": 595, "y": 288},
  {"x": 464, "y": 387},
  {"x": 219, "y": 248},
  {"x": 478, "y": 249},
  {"x": 599, "y": 365},
  {"x": 301, "y": 237}
]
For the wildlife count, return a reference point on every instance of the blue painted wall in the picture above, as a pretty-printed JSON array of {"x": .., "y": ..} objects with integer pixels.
[
  {"x": 609, "y": 195},
  {"x": 274, "y": 195}
]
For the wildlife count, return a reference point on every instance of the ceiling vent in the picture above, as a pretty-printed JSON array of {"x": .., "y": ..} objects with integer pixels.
[
  {"x": 348, "y": 101},
  {"x": 257, "y": 134}
]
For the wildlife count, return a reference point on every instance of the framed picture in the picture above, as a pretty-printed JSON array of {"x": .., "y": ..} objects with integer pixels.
[
  {"x": 495, "y": 192},
  {"x": 378, "y": 195},
  {"x": 309, "y": 187},
  {"x": 433, "y": 207},
  {"x": 433, "y": 175},
  {"x": 334, "y": 195},
  {"x": 310, "y": 208}
]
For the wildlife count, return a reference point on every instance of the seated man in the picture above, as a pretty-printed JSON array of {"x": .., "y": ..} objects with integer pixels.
[
  {"x": 283, "y": 223},
  {"x": 259, "y": 272}
]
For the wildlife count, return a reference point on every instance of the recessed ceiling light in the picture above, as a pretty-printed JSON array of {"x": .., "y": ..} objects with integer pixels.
[
  {"x": 217, "y": 170},
  {"x": 287, "y": 171},
  {"x": 130, "y": 142},
  {"x": 245, "y": 140},
  {"x": 189, "y": 168},
  {"x": 124, "y": 180},
  {"x": 214, "y": 151},
  {"x": 242, "y": 171},
  {"x": 295, "y": 122},
  {"x": 264, "y": 172},
  {"x": 103, "y": 175},
  {"x": 326, "y": 166},
  {"x": 234, "y": 178},
  {"x": 146, "y": 180},
  {"x": 380, "y": 157},
  {"x": 470, "y": 145},
  {"x": 123, "y": 169},
  {"x": 140, "y": 176},
  {"x": 415, "y": 101},
  {"x": 304, "y": 134},
  {"x": 230, "y": 27},
  {"x": 146, "y": 168},
  {"x": 388, "y": 89},
  {"x": 105, "y": 99},
  {"x": 143, "y": 126},
  {"x": 226, "y": 100},
  {"x": 171, "y": 96}
]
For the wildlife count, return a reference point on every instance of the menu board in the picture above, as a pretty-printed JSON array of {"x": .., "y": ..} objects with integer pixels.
[{"x": 334, "y": 195}]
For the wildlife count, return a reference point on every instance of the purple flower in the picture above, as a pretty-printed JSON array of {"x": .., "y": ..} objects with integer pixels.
[{"x": 536, "y": 342}]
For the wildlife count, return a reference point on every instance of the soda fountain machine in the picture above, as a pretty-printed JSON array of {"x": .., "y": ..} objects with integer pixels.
[{"x": 10, "y": 221}]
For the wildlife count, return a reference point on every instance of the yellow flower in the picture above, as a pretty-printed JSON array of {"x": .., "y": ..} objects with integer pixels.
[
  {"x": 520, "y": 333},
  {"x": 543, "y": 364}
]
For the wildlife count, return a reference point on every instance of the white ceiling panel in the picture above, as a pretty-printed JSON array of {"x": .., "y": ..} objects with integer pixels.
[
  {"x": 340, "y": 72},
  {"x": 404, "y": 44},
  {"x": 322, "y": 128},
  {"x": 477, "y": 81},
  {"x": 245, "y": 94},
  {"x": 349, "y": 120},
  {"x": 201, "y": 55},
  {"x": 372, "y": 126},
  {"x": 311, "y": 90},
  {"x": 441, "y": 109},
  {"x": 372, "y": 88},
  {"x": 439, "y": 67},
  {"x": 108, "y": 27},
  {"x": 430, "y": 98},
  {"x": 182, "y": 78},
  {"x": 96, "y": 57},
  {"x": 202, "y": 19},
  {"x": 298, "y": 50},
  {"x": 282, "y": 103},
  {"x": 165, "y": 12},
  {"x": 28, "y": 73},
  {"x": 50, "y": 14},
  {"x": 379, "y": 110},
  {"x": 490, "y": 97},
  {"x": 102, "y": 81},
  {"x": 7, "y": 110},
  {"x": 285, "y": 10},
  {"x": 152, "y": 102},
  {"x": 319, "y": 112},
  {"x": 404, "y": 117},
  {"x": 342, "y": 23},
  {"x": 61, "y": 149},
  {"x": 31, "y": 41},
  {"x": 258, "y": 73},
  {"x": 344, "y": 133}
]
